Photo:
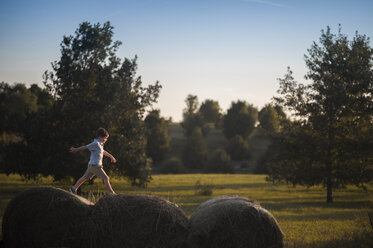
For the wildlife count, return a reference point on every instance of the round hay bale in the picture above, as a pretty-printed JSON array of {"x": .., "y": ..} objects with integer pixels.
[
  {"x": 46, "y": 217},
  {"x": 139, "y": 221},
  {"x": 232, "y": 222}
]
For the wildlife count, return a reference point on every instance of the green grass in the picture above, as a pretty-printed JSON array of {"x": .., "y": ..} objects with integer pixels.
[{"x": 304, "y": 216}]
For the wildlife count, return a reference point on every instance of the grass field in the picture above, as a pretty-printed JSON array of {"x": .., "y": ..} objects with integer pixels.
[{"x": 304, "y": 216}]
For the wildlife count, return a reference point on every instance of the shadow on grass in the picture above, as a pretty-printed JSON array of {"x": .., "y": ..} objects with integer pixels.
[
  {"x": 356, "y": 240},
  {"x": 216, "y": 186},
  {"x": 316, "y": 203},
  {"x": 339, "y": 216}
]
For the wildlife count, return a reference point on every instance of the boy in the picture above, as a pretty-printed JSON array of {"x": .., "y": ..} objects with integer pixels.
[{"x": 95, "y": 163}]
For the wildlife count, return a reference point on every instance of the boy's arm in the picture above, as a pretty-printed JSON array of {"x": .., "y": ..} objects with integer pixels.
[
  {"x": 113, "y": 160},
  {"x": 82, "y": 148}
]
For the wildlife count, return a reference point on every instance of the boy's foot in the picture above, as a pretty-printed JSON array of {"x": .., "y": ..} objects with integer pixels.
[
  {"x": 72, "y": 190},
  {"x": 112, "y": 193}
]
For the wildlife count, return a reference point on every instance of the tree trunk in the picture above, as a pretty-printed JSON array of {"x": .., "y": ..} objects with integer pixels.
[
  {"x": 329, "y": 182},
  {"x": 329, "y": 163}
]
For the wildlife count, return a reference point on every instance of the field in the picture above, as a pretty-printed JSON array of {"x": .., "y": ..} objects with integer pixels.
[{"x": 304, "y": 216}]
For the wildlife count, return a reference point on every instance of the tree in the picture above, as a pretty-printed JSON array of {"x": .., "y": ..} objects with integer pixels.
[
  {"x": 44, "y": 98},
  {"x": 192, "y": 105},
  {"x": 238, "y": 148},
  {"x": 269, "y": 120},
  {"x": 20, "y": 107},
  {"x": 240, "y": 120},
  {"x": 191, "y": 117},
  {"x": 16, "y": 104},
  {"x": 195, "y": 152},
  {"x": 157, "y": 139},
  {"x": 280, "y": 112},
  {"x": 92, "y": 88},
  {"x": 272, "y": 120},
  {"x": 210, "y": 112},
  {"x": 292, "y": 156},
  {"x": 330, "y": 138}
]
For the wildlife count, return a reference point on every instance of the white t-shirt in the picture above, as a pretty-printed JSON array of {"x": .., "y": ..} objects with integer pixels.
[{"x": 97, "y": 152}]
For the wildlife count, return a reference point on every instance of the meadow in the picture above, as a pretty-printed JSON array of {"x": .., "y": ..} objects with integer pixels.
[{"x": 304, "y": 216}]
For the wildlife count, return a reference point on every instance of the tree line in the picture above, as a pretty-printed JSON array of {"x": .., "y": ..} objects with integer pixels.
[{"x": 320, "y": 132}]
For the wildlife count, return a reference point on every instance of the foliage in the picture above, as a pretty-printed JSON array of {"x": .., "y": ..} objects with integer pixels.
[
  {"x": 280, "y": 112},
  {"x": 18, "y": 103},
  {"x": 220, "y": 162},
  {"x": 20, "y": 107},
  {"x": 269, "y": 120},
  {"x": 108, "y": 93},
  {"x": 157, "y": 139},
  {"x": 211, "y": 112},
  {"x": 238, "y": 148},
  {"x": 172, "y": 166},
  {"x": 195, "y": 152},
  {"x": 204, "y": 189},
  {"x": 240, "y": 120},
  {"x": 191, "y": 117},
  {"x": 202, "y": 116},
  {"x": 329, "y": 142},
  {"x": 91, "y": 88}
]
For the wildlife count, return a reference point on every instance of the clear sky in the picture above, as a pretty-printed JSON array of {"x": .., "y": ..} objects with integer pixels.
[{"x": 216, "y": 49}]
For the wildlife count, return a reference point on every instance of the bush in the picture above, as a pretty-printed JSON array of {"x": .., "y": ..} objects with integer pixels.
[
  {"x": 220, "y": 162},
  {"x": 204, "y": 189},
  {"x": 172, "y": 166}
]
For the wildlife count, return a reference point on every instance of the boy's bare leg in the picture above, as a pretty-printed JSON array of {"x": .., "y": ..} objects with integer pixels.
[
  {"x": 108, "y": 186},
  {"x": 80, "y": 182}
]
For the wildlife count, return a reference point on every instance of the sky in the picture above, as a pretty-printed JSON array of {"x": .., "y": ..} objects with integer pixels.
[{"x": 225, "y": 50}]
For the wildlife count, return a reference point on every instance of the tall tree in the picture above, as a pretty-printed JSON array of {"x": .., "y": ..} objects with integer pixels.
[
  {"x": 92, "y": 88},
  {"x": 191, "y": 117},
  {"x": 269, "y": 120},
  {"x": 157, "y": 139},
  {"x": 210, "y": 112},
  {"x": 331, "y": 135},
  {"x": 240, "y": 120}
]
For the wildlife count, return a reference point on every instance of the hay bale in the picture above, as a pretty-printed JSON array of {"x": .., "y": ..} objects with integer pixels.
[
  {"x": 139, "y": 221},
  {"x": 46, "y": 217},
  {"x": 233, "y": 221}
]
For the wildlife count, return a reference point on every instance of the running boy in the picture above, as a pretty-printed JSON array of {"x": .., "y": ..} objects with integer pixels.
[{"x": 95, "y": 163}]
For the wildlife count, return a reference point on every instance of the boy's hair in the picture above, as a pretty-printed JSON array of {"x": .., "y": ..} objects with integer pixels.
[{"x": 101, "y": 132}]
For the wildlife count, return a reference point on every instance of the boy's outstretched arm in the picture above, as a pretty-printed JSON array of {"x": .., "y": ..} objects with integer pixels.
[
  {"x": 82, "y": 148},
  {"x": 113, "y": 160}
]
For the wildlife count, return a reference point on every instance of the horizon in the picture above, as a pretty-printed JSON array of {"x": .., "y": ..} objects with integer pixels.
[{"x": 225, "y": 50}]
